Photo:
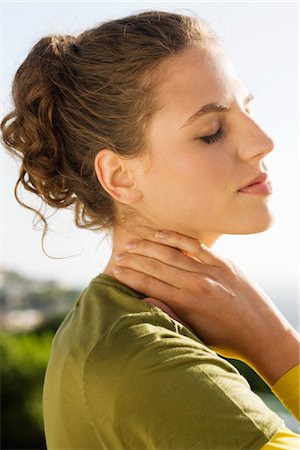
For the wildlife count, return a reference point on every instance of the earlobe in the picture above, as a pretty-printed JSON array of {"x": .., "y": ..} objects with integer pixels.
[{"x": 115, "y": 177}]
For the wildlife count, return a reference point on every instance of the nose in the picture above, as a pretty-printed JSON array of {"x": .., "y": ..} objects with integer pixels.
[{"x": 255, "y": 142}]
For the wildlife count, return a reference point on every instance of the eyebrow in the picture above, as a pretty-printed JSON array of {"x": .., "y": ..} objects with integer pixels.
[{"x": 213, "y": 107}]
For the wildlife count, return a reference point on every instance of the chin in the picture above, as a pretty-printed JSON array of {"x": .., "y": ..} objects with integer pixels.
[{"x": 263, "y": 223}]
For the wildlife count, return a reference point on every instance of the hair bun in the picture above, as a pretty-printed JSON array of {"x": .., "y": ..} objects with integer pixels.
[{"x": 60, "y": 44}]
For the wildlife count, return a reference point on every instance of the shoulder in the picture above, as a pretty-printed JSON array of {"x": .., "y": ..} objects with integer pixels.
[{"x": 175, "y": 390}]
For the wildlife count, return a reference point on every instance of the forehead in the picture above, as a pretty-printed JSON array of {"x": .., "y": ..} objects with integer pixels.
[{"x": 197, "y": 76}]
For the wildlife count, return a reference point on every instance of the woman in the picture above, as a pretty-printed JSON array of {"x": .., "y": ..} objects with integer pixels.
[{"x": 143, "y": 125}]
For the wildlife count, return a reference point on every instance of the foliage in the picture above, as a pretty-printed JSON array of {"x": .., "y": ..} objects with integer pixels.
[{"x": 24, "y": 358}]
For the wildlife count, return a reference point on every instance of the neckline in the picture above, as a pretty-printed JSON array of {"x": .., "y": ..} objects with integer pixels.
[{"x": 108, "y": 279}]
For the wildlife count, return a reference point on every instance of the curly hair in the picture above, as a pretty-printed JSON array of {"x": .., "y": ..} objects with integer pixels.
[{"x": 75, "y": 96}]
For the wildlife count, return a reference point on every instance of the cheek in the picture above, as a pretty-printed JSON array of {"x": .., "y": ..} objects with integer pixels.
[
  {"x": 189, "y": 185},
  {"x": 201, "y": 187},
  {"x": 201, "y": 172}
]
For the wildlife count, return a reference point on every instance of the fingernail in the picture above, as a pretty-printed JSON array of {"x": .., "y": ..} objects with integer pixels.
[
  {"x": 117, "y": 270},
  {"x": 131, "y": 245},
  {"x": 119, "y": 256},
  {"x": 160, "y": 234}
]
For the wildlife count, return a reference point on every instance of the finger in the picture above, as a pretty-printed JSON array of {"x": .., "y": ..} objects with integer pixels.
[
  {"x": 152, "y": 287},
  {"x": 169, "y": 255},
  {"x": 191, "y": 245},
  {"x": 162, "y": 271}
]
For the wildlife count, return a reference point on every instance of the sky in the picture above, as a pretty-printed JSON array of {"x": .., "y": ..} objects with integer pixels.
[{"x": 261, "y": 39}]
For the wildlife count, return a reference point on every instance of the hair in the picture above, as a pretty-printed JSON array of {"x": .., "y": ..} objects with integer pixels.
[{"x": 75, "y": 96}]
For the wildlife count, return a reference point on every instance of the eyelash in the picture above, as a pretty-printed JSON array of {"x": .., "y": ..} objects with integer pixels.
[{"x": 213, "y": 137}]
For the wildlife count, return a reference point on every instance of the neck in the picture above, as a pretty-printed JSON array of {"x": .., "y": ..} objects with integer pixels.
[{"x": 122, "y": 235}]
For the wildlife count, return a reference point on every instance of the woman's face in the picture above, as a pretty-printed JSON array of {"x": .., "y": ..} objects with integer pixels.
[{"x": 191, "y": 186}]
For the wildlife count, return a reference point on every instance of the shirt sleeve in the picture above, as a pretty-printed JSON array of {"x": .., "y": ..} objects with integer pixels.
[
  {"x": 168, "y": 391},
  {"x": 284, "y": 439},
  {"x": 287, "y": 390}
]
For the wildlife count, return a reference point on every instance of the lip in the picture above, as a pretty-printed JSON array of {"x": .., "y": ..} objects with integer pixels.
[
  {"x": 261, "y": 178},
  {"x": 259, "y": 185}
]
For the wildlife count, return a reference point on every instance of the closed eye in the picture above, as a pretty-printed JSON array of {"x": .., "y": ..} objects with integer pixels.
[{"x": 212, "y": 138}]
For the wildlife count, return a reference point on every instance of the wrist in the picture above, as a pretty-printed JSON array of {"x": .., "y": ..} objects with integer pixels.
[{"x": 278, "y": 355}]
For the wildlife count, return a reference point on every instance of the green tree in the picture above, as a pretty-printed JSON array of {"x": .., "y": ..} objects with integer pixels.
[{"x": 24, "y": 358}]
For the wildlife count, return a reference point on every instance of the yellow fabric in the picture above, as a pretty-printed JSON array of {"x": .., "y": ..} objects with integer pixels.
[
  {"x": 287, "y": 390},
  {"x": 284, "y": 439}
]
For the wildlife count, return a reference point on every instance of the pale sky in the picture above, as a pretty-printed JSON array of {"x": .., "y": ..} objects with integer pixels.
[{"x": 261, "y": 39}]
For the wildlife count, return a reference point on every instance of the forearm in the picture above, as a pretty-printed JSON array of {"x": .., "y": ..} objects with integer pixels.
[{"x": 279, "y": 354}]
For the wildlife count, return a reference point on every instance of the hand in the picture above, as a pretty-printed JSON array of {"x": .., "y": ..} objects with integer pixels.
[{"x": 210, "y": 295}]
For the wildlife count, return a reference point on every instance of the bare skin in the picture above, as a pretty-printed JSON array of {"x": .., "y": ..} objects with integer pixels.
[{"x": 190, "y": 188}]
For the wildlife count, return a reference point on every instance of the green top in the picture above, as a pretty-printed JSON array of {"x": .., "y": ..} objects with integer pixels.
[{"x": 122, "y": 374}]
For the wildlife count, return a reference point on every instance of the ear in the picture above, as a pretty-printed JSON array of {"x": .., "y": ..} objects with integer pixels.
[{"x": 115, "y": 176}]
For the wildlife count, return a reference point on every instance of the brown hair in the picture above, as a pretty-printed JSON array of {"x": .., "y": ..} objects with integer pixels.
[{"x": 74, "y": 96}]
